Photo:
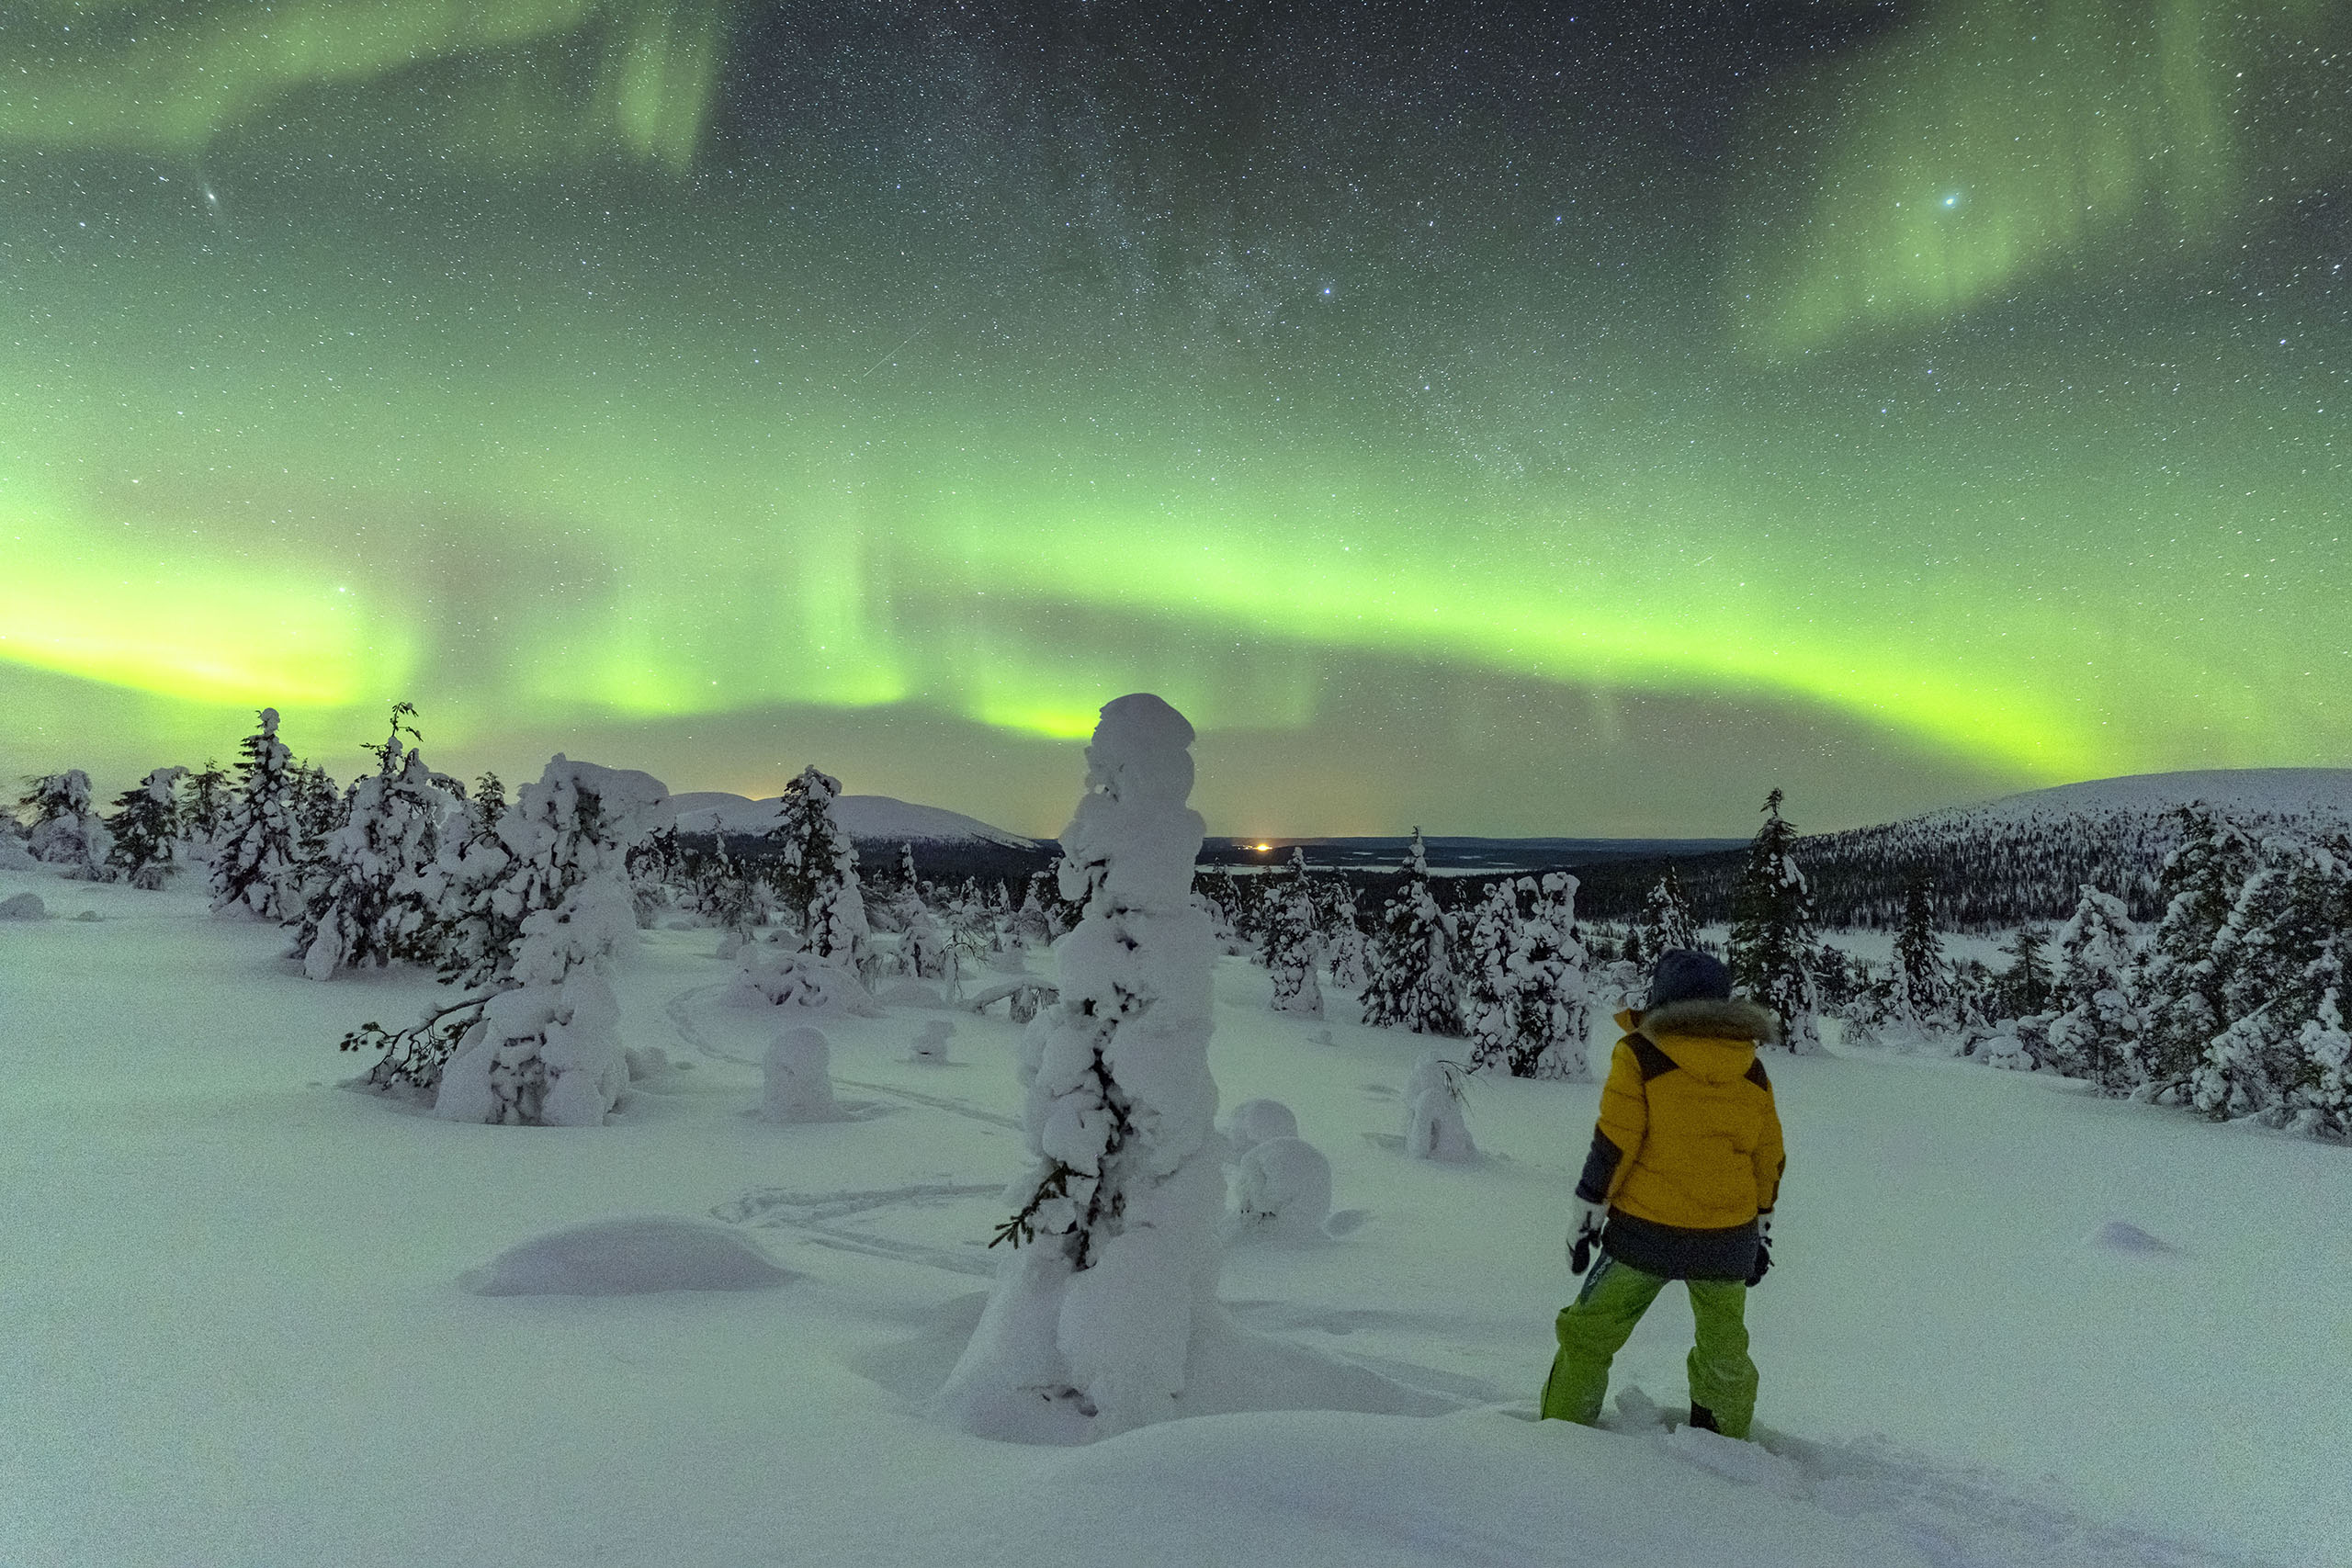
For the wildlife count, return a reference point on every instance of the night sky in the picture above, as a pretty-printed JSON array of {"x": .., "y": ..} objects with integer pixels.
[{"x": 1507, "y": 419}]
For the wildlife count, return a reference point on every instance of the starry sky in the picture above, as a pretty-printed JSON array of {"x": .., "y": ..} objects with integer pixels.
[{"x": 1510, "y": 419}]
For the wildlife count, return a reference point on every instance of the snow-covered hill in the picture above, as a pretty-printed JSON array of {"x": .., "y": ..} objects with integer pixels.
[
  {"x": 2245, "y": 795},
  {"x": 2019, "y": 858},
  {"x": 870, "y": 818}
]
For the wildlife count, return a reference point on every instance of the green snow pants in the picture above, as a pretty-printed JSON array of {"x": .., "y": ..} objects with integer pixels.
[{"x": 1595, "y": 1327}]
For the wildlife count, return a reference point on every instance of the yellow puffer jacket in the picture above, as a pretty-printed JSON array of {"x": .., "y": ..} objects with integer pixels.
[{"x": 1689, "y": 1112}]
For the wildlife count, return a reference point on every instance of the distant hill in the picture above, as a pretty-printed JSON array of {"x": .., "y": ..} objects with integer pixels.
[
  {"x": 870, "y": 818},
  {"x": 2020, "y": 858},
  {"x": 1461, "y": 856}
]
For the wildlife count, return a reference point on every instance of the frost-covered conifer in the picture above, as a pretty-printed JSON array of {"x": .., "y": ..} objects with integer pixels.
[
  {"x": 1487, "y": 978},
  {"x": 545, "y": 1048},
  {"x": 65, "y": 832},
  {"x": 535, "y": 1037},
  {"x": 1412, "y": 982},
  {"x": 1772, "y": 935},
  {"x": 2179, "y": 985},
  {"x": 1666, "y": 923},
  {"x": 1088, "y": 1331},
  {"x": 1344, "y": 934},
  {"x": 1535, "y": 1025},
  {"x": 2283, "y": 955},
  {"x": 257, "y": 866},
  {"x": 1919, "y": 990},
  {"x": 146, "y": 830},
  {"x": 2094, "y": 1025},
  {"x": 204, "y": 798},
  {"x": 817, "y": 871},
  {"x": 1292, "y": 948},
  {"x": 2023, "y": 988},
  {"x": 926, "y": 948},
  {"x": 375, "y": 892}
]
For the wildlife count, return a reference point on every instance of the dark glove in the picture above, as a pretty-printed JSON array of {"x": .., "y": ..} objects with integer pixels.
[
  {"x": 1584, "y": 1232},
  {"x": 1763, "y": 1249}
]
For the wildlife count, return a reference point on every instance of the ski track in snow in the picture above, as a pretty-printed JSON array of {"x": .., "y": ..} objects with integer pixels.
[{"x": 812, "y": 1214}]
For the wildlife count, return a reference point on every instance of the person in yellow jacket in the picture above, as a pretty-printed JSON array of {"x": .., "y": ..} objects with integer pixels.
[{"x": 1686, "y": 1163}]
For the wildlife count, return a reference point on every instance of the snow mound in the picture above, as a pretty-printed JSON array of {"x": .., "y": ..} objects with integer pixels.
[
  {"x": 14, "y": 855},
  {"x": 627, "y": 1257},
  {"x": 23, "y": 907},
  {"x": 2117, "y": 1235},
  {"x": 1255, "y": 1121},
  {"x": 869, "y": 819}
]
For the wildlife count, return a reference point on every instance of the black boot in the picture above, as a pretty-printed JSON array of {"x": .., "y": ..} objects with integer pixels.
[{"x": 1704, "y": 1418}]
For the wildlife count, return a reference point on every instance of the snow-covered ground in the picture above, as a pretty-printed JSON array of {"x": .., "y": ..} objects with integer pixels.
[{"x": 232, "y": 1329}]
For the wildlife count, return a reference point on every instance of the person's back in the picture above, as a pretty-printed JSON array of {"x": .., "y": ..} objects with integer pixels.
[{"x": 1679, "y": 1184}]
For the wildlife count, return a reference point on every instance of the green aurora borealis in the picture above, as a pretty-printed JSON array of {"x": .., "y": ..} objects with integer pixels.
[{"x": 1462, "y": 417}]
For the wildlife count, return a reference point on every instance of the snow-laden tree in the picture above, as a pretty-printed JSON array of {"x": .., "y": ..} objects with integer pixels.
[
  {"x": 204, "y": 794},
  {"x": 2281, "y": 953},
  {"x": 1411, "y": 982},
  {"x": 1486, "y": 979},
  {"x": 817, "y": 869},
  {"x": 2093, "y": 1024},
  {"x": 1088, "y": 1331},
  {"x": 1666, "y": 923},
  {"x": 318, "y": 812},
  {"x": 1293, "y": 946},
  {"x": 146, "y": 830},
  {"x": 1772, "y": 935},
  {"x": 1919, "y": 989},
  {"x": 1550, "y": 986},
  {"x": 257, "y": 866},
  {"x": 2179, "y": 985},
  {"x": 66, "y": 830},
  {"x": 375, "y": 894},
  {"x": 2023, "y": 990},
  {"x": 535, "y": 1037}
]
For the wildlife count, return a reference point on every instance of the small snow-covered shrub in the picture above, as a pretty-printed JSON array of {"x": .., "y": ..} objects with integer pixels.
[
  {"x": 930, "y": 1041},
  {"x": 1435, "y": 1127},
  {"x": 797, "y": 1077},
  {"x": 23, "y": 907},
  {"x": 781, "y": 972},
  {"x": 1254, "y": 1121},
  {"x": 542, "y": 1055},
  {"x": 1282, "y": 1191}
]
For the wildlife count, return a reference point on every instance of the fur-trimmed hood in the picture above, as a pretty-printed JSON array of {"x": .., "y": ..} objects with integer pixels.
[
  {"x": 1716, "y": 1039},
  {"x": 1736, "y": 1019}
]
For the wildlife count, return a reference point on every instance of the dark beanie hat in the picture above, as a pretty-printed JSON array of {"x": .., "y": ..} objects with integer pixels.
[{"x": 1682, "y": 976}]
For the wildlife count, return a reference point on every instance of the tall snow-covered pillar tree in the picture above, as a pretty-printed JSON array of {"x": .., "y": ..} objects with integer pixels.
[
  {"x": 1772, "y": 937},
  {"x": 1087, "y": 1332}
]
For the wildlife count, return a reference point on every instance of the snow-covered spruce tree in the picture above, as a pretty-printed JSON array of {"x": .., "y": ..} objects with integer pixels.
[
  {"x": 1488, "y": 982},
  {"x": 1088, "y": 1331},
  {"x": 1772, "y": 936},
  {"x": 257, "y": 867},
  {"x": 375, "y": 894},
  {"x": 2023, "y": 990},
  {"x": 2283, "y": 956},
  {"x": 1293, "y": 946},
  {"x": 2177, "y": 985},
  {"x": 65, "y": 832},
  {"x": 817, "y": 869},
  {"x": 2094, "y": 1026},
  {"x": 204, "y": 797},
  {"x": 534, "y": 1037},
  {"x": 146, "y": 830},
  {"x": 1666, "y": 923},
  {"x": 1550, "y": 986},
  {"x": 1919, "y": 990},
  {"x": 1412, "y": 982}
]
